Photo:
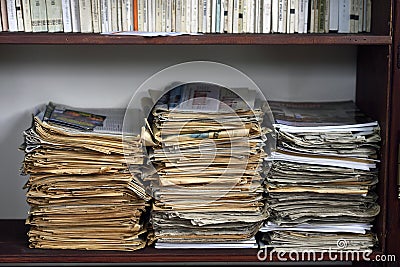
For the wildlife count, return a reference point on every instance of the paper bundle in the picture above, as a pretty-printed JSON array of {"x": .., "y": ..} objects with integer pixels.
[
  {"x": 208, "y": 157},
  {"x": 321, "y": 184},
  {"x": 81, "y": 191}
]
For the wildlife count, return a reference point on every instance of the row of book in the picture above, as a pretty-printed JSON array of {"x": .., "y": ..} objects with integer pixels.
[{"x": 187, "y": 16}]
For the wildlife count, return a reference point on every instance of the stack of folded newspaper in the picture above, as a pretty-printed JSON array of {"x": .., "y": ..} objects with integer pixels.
[
  {"x": 208, "y": 155},
  {"x": 81, "y": 192},
  {"x": 321, "y": 185}
]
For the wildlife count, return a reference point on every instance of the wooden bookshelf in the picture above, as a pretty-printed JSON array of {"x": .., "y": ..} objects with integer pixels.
[
  {"x": 206, "y": 39},
  {"x": 377, "y": 94}
]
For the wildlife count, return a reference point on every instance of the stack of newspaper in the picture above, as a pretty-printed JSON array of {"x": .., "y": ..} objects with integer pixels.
[
  {"x": 81, "y": 192},
  {"x": 208, "y": 156},
  {"x": 321, "y": 185}
]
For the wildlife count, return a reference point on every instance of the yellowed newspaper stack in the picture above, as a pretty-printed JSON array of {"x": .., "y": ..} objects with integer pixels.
[
  {"x": 81, "y": 191},
  {"x": 208, "y": 157}
]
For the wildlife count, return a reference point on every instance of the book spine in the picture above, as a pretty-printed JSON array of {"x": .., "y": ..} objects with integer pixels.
[
  {"x": 312, "y": 16},
  {"x": 66, "y": 15},
  {"x": 129, "y": 14},
  {"x": 267, "y": 16},
  {"x": 316, "y": 15},
  {"x": 327, "y": 11},
  {"x": 124, "y": 14},
  {"x": 352, "y": 15},
  {"x": 178, "y": 15},
  {"x": 364, "y": 26},
  {"x": 230, "y": 16},
  {"x": 334, "y": 15},
  {"x": 119, "y": 15},
  {"x": 104, "y": 15},
  {"x": 301, "y": 16},
  {"x": 12, "y": 16},
  {"x": 221, "y": 20},
  {"x": 235, "y": 16},
  {"x": 226, "y": 15},
  {"x": 275, "y": 16},
  {"x": 240, "y": 16},
  {"x": 213, "y": 11},
  {"x": 292, "y": 15},
  {"x": 75, "y": 17},
  {"x": 368, "y": 15},
  {"x": 54, "y": 16},
  {"x": 39, "y": 15},
  {"x": 296, "y": 16},
  {"x": 360, "y": 15},
  {"x": 202, "y": 16},
  {"x": 140, "y": 15},
  {"x": 168, "y": 16},
  {"x": 188, "y": 14},
  {"x": 85, "y": 14},
  {"x": 252, "y": 17},
  {"x": 1, "y": 22},
  {"x": 158, "y": 15},
  {"x": 173, "y": 16},
  {"x": 344, "y": 16},
  {"x": 306, "y": 15},
  {"x": 282, "y": 16},
  {"x": 135, "y": 15},
  {"x": 114, "y": 14},
  {"x": 26, "y": 10},
  {"x": 257, "y": 16},
  {"x": 217, "y": 16},
  {"x": 96, "y": 16},
  {"x": 4, "y": 17},
  {"x": 321, "y": 16},
  {"x": 164, "y": 16},
  {"x": 194, "y": 16},
  {"x": 20, "y": 18},
  {"x": 183, "y": 15}
]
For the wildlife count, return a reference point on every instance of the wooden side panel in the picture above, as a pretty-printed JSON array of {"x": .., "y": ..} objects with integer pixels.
[
  {"x": 393, "y": 228},
  {"x": 373, "y": 97}
]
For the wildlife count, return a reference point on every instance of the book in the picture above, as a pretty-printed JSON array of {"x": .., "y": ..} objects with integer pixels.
[
  {"x": 274, "y": 16},
  {"x": 213, "y": 8},
  {"x": 39, "y": 15},
  {"x": 257, "y": 16},
  {"x": 344, "y": 16},
  {"x": 334, "y": 15},
  {"x": 194, "y": 16},
  {"x": 266, "y": 20},
  {"x": 240, "y": 16},
  {"x": 135, "y": 15},
  {"x": 306, "y": 15},
  {"x": 85, "y": 16},
  {"x": 250, "y": 23},
  {"x": 301, "y": 19},
  {"x": 1, "y": 25},
  {"x": 321, "y": 16},
  {"x": 20, "y": 18},
  {"x": 292, "y": 10},
  {"x": 54, "y": 16},
  {"x": 12, "y": 16},
  {"x": 119, "y": 15},
  {"x": 75, "y": 16},
  {"x": 296, "y": 16},
  {"x": 230, "y": 16},
  {"x": 4, "y": 19},
  {"x": 173, "y": 16},
  {"x": 114, "y": 14},
  {"x": 26, "y": 12},
  {"x": 178, "y": 16},
  {"x": 327, "y": 11},
  {"x": 66, "y": 15}
]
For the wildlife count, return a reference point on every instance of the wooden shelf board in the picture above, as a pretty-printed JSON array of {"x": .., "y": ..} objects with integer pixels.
[
  {"x": 14, "y": 249},
  {"x": 206, "y": 39}
]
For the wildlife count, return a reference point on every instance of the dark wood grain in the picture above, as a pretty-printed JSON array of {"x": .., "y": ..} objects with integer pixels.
[
  {"x": 206, "y": 39},
  {"x": 393, "y": 203}
]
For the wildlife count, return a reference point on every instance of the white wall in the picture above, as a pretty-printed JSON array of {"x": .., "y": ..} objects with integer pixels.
[{"x": 107, "y": 76}]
